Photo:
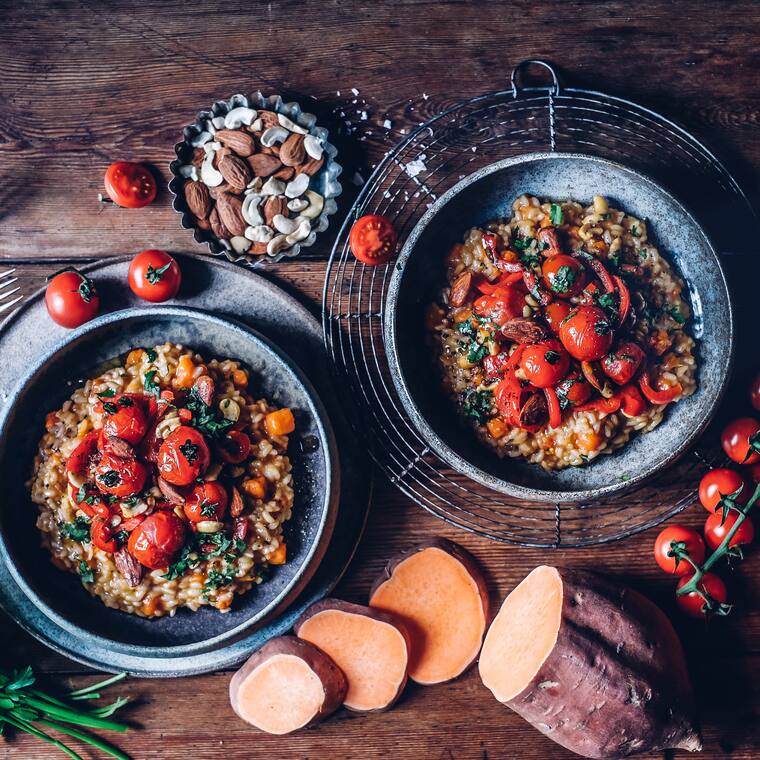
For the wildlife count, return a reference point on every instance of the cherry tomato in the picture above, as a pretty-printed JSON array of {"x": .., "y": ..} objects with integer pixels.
[
  {"x": 741, "y": 440},
  {"x": 623, "y": 363},
  {"x": 207, "y": 501},
  {"x": 154, "y": 276},
  {"x": 183, "y": 456},
  {"x": 573, "y": 390},
  {"x": 125, "y": 416},
  {"x": 555, "y": 312},
  {"x": 753, "y": 472},
  {"x": 715, "y": 531},
  {"x": 503, "y": 304},
  {"x": 81, "y": 458},
  {"x": 373, "y": 239},
  {"x": 89, "y": 500},
  {"x": 102, "y": 536},
  {"x": 692, "y": 603},
  {"x": 545, "y": 364},
  {"x": 235, "y": 447},
  {"x": 722, "y": 482},
  {"x": 754, "y": 392},
  {"x": 120, "y": 477},
  {"x": 586, "y": 333},
  {"x": 685, "y": 538},
  {"x": 71, "y": 298},
  {"x": 563, "y": 275},
  {"x": 632, "y": 403},
  {"x": 130, "y": 184},
  {"x": 157, "y": 540}
]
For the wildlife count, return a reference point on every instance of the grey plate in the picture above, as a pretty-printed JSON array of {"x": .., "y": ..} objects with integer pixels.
[
  {"x": 488, "y": 194},
  {"x": 83, "y": 628}
]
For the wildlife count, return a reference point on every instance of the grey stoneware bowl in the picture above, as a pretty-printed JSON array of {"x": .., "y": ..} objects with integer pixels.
[
  {"x": 83, "y": 353},
  {"x": 420, "y": 273}
]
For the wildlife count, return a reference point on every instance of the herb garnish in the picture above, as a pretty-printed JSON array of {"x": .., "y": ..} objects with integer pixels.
[
  {"x": 189, "y": 450},
  {"x": 563, "y": 279},
  {"x": 108, "y": 393},
  {"x": 476, "y": 352},
  {"x": 110, "y": 408},
  {"x": 675, "y": 313},
  {"x": 110, "y": 478},
  {"x": 477, "y": 404},
  {"x": 530, "y": 260},
  {"x": 150, "y": 385},
  {"x": 522, "y": 244},
  {"x": 85, "y": 573},
  {"x": 218, "y": 579},
  {"x": 205, "y": 418},
  {"x": 607, "y": 301},
  {"x": 602, "y": 327},
  {"x": 82, "y": 496},
  {"x": 152, "y": 355},
  {"x": 555, "y": 215},
  {"x": 466, "y": 328},
  {"x": 79, "y": 530},
  {"x": 208, "y": 508},
  {"x": 551, "y": 356}
]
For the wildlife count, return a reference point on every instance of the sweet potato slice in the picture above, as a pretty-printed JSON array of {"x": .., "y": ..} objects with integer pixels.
[
  {"x": 595, "y": 666},
  {"x": 288, "y": 684},
  {"x": 369, "y": 646},
  {"x": 438, "y": 592}
]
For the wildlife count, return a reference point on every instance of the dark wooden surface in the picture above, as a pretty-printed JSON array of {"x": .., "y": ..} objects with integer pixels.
[{"x": 82, "y": 84}]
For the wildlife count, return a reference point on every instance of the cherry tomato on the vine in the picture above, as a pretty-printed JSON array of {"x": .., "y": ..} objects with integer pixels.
[
  {"x": 154, "y": 276},
  {"x": 740, "y": 440},
  {"x": 686, "y": 539},
  {"x": 754, "y": 392},
  {"x": 130, "y": 184},
  {"x": 692, "y": 603},
  {"x": 716, "y": 529},
  {"x": 373, "y": 239},
  {"x": 722, "y": 482},
  {"x": 71, "y": 298}
]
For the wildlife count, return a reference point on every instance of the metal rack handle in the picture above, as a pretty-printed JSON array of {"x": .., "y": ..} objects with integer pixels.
[{"x": 553, "y": 88}]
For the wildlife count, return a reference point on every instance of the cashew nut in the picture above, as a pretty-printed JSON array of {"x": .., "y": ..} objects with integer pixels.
[
  {"x": 316, "y": 204},
  {"x": 208, "y": 526},
  {"x": 313, "y": 146},
  {"x": 274, "y": 135},
  {"x": 210, "y": 147},
  {"x": 200, "y": 139},
  {"x": 218, "y": 122},
  {"x": 276, "y": 244},
  {"x": 273, "y": 187},
  {"x": 188, "y": 170},
  {"x": 297, "y": 204},
  {"x": 291, "y": 125},
  {"x": 209, "y": 175},
  {"x": 297, "y": 186},
  {"x": 240, "y": 244},
  {"x": 239, "y": 116},
  {"x": 250, "y": 209},
  {"x": 255, "y": 185},
  {"x": 301, "y": 232},
  {"x": 257, "y": 125},
  {"x": 283, "y": 224},
  {"x": 135, "y": 510},
  {"x": 260, "y": 233}
]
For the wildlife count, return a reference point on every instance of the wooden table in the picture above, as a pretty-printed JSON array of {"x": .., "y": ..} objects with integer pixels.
[{"x": 83, "y": 84}]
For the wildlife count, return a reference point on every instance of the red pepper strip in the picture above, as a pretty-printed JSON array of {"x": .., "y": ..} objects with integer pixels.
[
  {"x": 495, "y": 365},
  {"x": 506, "y": 279},
  {"x": 625, "y": 299},
  {"x": 535, "y": 288},
  {"x": 98, "y": 506},
  {"x": 589, "y": 372},
  {"x": 632, "y": 403},
  {"x": 490, "y": 242},
  {"x": 509, "y": 266},
  {"x": 606, "y": 405},
  {"x": 79, "y": 459},
  {"x": 598, "y": 268},
  {"x": 655, "y": 396},
  {"x": 555, "y": 412},
  {"x": 131, "y": 523}
]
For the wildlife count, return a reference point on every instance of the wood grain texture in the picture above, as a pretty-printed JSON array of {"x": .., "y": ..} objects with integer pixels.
[{"x": 85, "y": 83}]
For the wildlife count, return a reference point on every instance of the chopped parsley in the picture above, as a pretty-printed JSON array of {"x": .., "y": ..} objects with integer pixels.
[
  {"x": 563, "y": 279},
  {"x": 79, "y": 530},
  {"x": 188, "y": 559},
  {"x": 530, "y": 260},
  {"x": 217, "y": 579},
  {"x": 150, "y": 385},
  {"x": 85, "y": 573},
  {"x": 83, "y": 496},
  {"x": 555, "y": 215},
  {"x": 121, "y": 537},
  {"x": 125, "y": 401},
  {"x": 108, "y": 393},
  {"x": 602, "y": 327},
  {"x": 477, "y": 404},
  {"x": 110, "y": 478},
  {"x": 522, "y": 244},
  {"x": 466, "y": 328},
  {"x": 635, "y": 230},
  {"x": 110, "y": 408},
  {"x": 189, "y": 450},
  {"x": 552, "y": 356},
  {"x": 197, "y": 550},
  {"x": 208, "y": 508},
  {"x": 152, "y": 355},
  {"x": 476, "y": 353},
  {"x": 675, "y": 313},
  {"x": 205, "y": 418},
  {"x": 607, "y": 301}
]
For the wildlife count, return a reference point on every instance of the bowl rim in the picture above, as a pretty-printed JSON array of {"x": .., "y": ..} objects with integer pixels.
[
  {"x": 423, "y": 427},
  {"x": 313, "y": 555}
]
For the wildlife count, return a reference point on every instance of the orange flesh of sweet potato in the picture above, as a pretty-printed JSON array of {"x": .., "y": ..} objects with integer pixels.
[
  {"x": 595, "y": 666},
  {"x": 367, "y": 645},
  {"x": 288, "y": 684},
  {"x": 438, "y": 593}
]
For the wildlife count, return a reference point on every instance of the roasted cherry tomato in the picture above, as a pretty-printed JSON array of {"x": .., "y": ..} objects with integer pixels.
[
  {"x": 753, "y": 472},
  {"x": 545, "y": 364},
  {"x": 157, "y": 540},
  {"x": 373, "y": 239},
  {"x": 81, "y": 458},
  {"x": 716, "y": 529},
  {"x": 154, "y": 276},
  {"x": 130, "y": 184},
  {"x": 586, "y": 333},
  {"x": 501, "y": 306},
  {"x": 722, "y": 482},
  {"x": 120, "y": 477},
  {"x": 103, "y": 536},
  {"x": 71, "y": 298},
  {"x": 623, "y": 363},
  {"x": 207, "y": 501},
  {"x": 632, "y": 403},
  {"x": 125, "y": 416},
  {"x": 754, "y": 392},
  {"x": 692, "y": 603},
  {"x": 573, "y": 390},
  {"x": 741, "y": 440},
  {"x": 676, "y": 536},
  {"x": 235, "y": 447},
  {"x": 89, "y": 500},
  {"x": 183, "y": 456},
  {"x": 563, "y": 275},
  {"x": 555, "y": 312}
]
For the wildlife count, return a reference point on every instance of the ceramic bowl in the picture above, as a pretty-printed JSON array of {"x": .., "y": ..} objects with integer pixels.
[
  {"x": 82, "y": 354},
  {"x": 420, "y": 273}
]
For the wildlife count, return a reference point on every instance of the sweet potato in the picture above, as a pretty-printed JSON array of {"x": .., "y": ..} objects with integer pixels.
[
  {"x": 596, "y": 667},
  {"x": 438, "y": 592},
  {"x": 288, "y": 684},
  {"x": 369, "y": 646}
]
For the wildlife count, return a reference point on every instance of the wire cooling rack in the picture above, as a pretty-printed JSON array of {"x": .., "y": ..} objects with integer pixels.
[{"x": 435, "y": 156}]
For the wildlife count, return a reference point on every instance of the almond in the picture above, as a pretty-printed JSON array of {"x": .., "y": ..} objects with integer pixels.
[
  {"x": 262, "y": 164},
  {"x": 272, "y": 150},
  {"x": 230, "y": 209},
  {"x": 235, "y": 171},
  {"x": 215, "y": 192},
  {"x": 268, "y": 119},
  {"x": 275, "y": 204},
  {"x": 198, "y": 198},
  {"x": 239, "y": 142},
  {"x": 217, "y": 226},
  {"x": 311, "y": 167},
  {"x": 286, "y": 173},
  {"x": 199, "y": 156},
  {"x": 292, "y": 152},
  {"x": 203, "y": 224}
]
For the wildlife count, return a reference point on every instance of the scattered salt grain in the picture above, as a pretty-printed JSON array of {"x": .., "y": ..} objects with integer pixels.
[
  {"x": 425, "y": 96},
  {"x": 337, "y": 92},
  {"x": 354, "y": 91},
  {"x": 358, "y": 180},
  {"x": 363, "y": 116},
  {"x": 413, "y": 168},
  {"x": 388, "y": 124}
]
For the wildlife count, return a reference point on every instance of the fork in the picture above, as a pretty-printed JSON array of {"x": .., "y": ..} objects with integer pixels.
[{"x": 6, "y": 290}]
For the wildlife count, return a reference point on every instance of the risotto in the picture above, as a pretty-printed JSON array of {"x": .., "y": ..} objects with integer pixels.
[
  {"x": 164, "y": 483},
  {"x": 561, "y": 333}
]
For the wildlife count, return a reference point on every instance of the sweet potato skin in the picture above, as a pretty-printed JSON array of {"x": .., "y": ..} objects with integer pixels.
[
  {"x": 616, "y": 682},
  {"x": 359, "y": 609},
  {"x": 327, "y": 671}
]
